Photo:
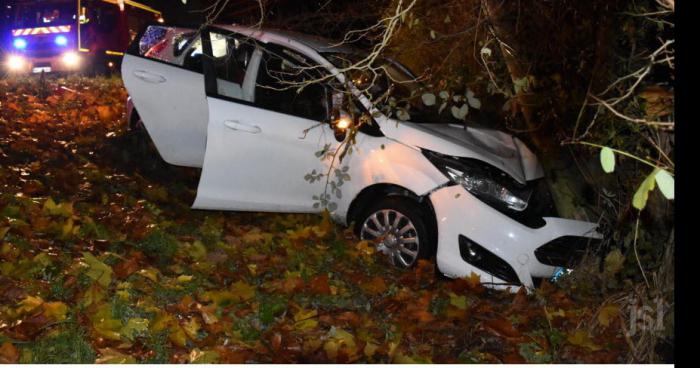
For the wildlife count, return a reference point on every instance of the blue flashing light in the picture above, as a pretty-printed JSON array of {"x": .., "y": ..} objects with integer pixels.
[
  {"x": 19, "y": 43},
  {"x": 61, "y": 40}
]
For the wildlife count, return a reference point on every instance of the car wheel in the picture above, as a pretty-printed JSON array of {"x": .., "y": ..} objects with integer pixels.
[{"x": 398, "y": 229}]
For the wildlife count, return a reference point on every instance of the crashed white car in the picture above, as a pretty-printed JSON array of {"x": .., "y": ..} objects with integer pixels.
[{"x": 218, "y": 98}]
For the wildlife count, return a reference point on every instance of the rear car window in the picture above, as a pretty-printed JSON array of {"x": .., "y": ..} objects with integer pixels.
[{"x": 176, "y": 46}]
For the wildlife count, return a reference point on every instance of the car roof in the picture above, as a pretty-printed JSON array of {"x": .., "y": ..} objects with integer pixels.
[{"x": 317, "y": 43}]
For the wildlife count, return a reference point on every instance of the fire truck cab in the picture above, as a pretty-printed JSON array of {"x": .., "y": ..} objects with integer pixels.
[{"x": 73, "y": 35}]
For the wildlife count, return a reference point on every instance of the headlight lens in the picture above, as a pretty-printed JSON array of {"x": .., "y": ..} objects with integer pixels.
[
  {"x": 71, "y": 59},
  {"x": 15, "y": 62},
  {"x": 482, "y": 180},
  {"x": 61, "y": 40},
  {"x": 19, "y": 43}
]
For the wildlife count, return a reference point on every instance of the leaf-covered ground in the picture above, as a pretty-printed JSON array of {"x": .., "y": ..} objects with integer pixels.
[{"x": 102, "y": 260}]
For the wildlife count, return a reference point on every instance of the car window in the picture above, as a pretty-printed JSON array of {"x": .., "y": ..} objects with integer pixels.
[
  {"x": 230, "y": 55},
  {"x": 176, "y": 46},
  {"x": 281, "y": 74}
]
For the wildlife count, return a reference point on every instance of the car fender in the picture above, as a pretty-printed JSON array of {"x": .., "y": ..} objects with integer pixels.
[{"x": 380, "y": 160}]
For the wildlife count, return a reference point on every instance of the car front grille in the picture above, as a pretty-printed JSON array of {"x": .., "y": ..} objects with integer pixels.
[{"x": 566, "y": 251}]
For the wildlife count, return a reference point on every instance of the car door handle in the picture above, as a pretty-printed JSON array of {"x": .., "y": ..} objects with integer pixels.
[
  {"x": 148, "y": 76},
  {"x": 237, "y": 125}
]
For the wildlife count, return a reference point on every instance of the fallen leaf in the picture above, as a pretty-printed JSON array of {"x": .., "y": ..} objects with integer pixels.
[
  {"x": 113, "y": 356},
  {"x": 583, "y": 338},
  {"x": 97, "y": 270}
]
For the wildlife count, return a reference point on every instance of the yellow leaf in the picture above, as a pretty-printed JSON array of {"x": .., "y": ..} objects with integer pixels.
[
  {"x": 459, "y": 301},
  {"x": 203, "y": 356},
  {"x": 68, "y": 228},
  {"x": 56, "y": 310},
  {"x": 64, "y": 209},
  {"x": 184, "y": 278},
  {"x": 304, "y": 319},
  {"x": 607, "y": 313},
  {"x": 365, "y": 248},
  {"x": 93, "y": 295},
  {"x": 253, "y": 236},
  {"x": 97, "y": 270},
  {"x": 370, "y": 349},
  {"x": 197, "y": 250},
  {"x": 134, "y": 327},
  {"x": 3, "y": 231},
  {"x": 331, "y": 348},
  {"x": 557, "y": 313},
  {"x": 161, "y": 322},
  {"x": 149, "y": 273},
  {"x": 28, "y": 304},
  {"x": 340, "y": 338},
  {"x": 105, "y": 325},
  {"x": 219, "y": 298},
  {"x": 191, "y": 328},
  {"x": 403, "y": 359},
  {"x": 112, "y": 356},
  {"x": 583, "y": 339},
  {"x": 242, "y": 291},
  {"x": 178, "y": 336},
  {"x": 253, "y": 268}
]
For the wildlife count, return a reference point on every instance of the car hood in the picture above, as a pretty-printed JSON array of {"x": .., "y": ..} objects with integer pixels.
[{"x": 494, "y": 147}]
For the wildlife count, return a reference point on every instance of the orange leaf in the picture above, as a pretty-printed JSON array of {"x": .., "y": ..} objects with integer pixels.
[
  {"x": 319, "y": 285},
  {"x": 8, "y": 353}
]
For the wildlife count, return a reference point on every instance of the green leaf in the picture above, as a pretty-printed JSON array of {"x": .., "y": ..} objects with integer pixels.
[
  {"x": 403, "y": 114},
  {"x": 472, "y": 100},
  {"x": 460, "y": 112},
  {"x": 639, "y": 201},
  {"x": 428, "y": 99},
  {"x": 666, "y": 183},
  {"x": 97, "y": 270},
  {"x": 134, "y": 327},
  {"x": 459, "y": 301},
  {"x": 607, "y": 159}
]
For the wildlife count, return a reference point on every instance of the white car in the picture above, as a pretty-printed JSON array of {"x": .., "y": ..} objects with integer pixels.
[{"x": 219, "y": 98}]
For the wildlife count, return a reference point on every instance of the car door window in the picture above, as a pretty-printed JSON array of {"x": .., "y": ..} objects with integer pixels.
[
  {"x": 230, "y": 57},
  {"x": 280, "y": 75},
  {"x": 176, "y": 46}
]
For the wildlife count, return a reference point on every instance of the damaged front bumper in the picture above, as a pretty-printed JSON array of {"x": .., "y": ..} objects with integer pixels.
[{"x": 475, "y": 237}]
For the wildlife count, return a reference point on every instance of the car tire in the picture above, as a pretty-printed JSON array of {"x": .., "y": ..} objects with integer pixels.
[{"x": 404, "y": 242}]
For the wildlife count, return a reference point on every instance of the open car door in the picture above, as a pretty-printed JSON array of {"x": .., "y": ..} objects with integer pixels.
[
  {"x": 162, "y": 71},
  {"x": 262, "y": 135}
]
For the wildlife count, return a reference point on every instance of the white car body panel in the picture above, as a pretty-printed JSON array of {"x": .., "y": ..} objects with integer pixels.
[
  {"x": 491, "y": 146},
  {"x": 262, "y": 155},
  {"x": 459, "y": 212},
  {"x": 254, "y": 159},
  {"x": 172, "y": 105}
]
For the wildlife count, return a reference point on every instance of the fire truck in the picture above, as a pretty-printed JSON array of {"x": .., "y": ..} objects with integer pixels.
[{"x": 73, "y": 35}]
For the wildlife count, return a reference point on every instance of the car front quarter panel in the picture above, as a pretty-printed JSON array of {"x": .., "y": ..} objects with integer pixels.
[
  {"x": 458, "y": 213},
  {"x": 379, "y": 160}
]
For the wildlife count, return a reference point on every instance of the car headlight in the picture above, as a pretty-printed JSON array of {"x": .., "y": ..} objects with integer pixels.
[
  {"x": 61, "y": 40},
  {"x": 71, "y": 59},
  {"x": 15, "y": 62},
  {"x": 484, "y": 181}
]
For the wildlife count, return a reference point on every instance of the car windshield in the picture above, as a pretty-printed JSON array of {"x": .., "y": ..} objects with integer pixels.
[
  {"x": 46, "y": 14},
  {"x": 391, "y": 86}
]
